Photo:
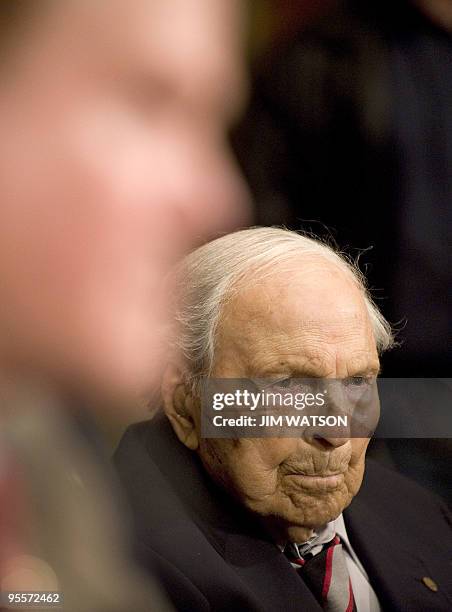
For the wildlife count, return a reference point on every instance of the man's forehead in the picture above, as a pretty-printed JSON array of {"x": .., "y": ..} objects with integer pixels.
[
  {"x": 193, "y": 47},
  {"x": 173, "y": 34},
  {"x": 311, "y": 297},
  {"x": 309, "y": 320}
]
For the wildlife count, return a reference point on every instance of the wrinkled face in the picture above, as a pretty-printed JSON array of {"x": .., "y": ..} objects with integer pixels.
[
  {"x": 310, "y": 323},
  {"x": 113, "y": 163}
]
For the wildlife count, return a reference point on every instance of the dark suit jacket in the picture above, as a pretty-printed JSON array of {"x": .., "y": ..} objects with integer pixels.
[{"x": 211, "y": 555}]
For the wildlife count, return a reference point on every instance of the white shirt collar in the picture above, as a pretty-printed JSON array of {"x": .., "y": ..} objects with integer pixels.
[{"x": 322, "y": 536}]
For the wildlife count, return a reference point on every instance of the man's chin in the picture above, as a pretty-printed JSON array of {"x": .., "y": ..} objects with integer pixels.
[
  {"x": 317, "y": 516},
  {"x": 302, "y": 533},
  {"x": 298, "y": 527},
  {"x": 299, "y": 534}
]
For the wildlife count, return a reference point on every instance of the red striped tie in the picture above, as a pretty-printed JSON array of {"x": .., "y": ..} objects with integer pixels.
[{"x": 326, "y": 575}]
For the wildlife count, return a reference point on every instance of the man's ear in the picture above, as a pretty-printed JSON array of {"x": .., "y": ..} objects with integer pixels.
[{"x": 179, "y": 406}]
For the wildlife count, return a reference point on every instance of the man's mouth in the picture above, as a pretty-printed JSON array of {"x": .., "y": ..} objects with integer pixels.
[{"x": 322, "y": 481}]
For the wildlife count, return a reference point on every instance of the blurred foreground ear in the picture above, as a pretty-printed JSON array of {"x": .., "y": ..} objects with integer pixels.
[{"x": 179, "y": 406}]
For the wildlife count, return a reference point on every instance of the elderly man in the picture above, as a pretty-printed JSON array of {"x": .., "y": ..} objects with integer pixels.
[{"x": 271, "y": 523}]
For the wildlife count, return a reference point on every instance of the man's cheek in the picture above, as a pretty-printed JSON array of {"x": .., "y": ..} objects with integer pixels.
[
  {"x": 257, "y": 484},
  {"x": 272, "y": 453},
  {"x": 354, "y": 476}
]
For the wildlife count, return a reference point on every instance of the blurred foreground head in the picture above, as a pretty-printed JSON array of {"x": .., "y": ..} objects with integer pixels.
[{"x": 113, "y": 162}]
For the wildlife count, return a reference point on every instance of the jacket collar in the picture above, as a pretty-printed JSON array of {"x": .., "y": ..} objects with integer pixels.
[{"x": 393, "y": 561}]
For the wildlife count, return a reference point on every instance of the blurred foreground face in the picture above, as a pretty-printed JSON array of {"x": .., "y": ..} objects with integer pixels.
[
  {"x": 113, "y": 163},
  {"x": 310, "y": 323}
]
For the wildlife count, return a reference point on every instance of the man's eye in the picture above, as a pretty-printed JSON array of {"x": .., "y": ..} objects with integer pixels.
[
  {"x": 356, "y": 381},
  {"x": 277, "y": 385},
  {"x": 286, "y": 383}
]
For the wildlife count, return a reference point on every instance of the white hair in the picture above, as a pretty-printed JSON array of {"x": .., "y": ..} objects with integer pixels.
[{"x": 211, "y": 275}]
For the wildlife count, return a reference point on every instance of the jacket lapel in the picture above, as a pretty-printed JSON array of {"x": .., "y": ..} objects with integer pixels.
[
  {"x": 232, "y": 532},
  {"x": 267, "y": 572},
  {"x": 394, "y": 565}
]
